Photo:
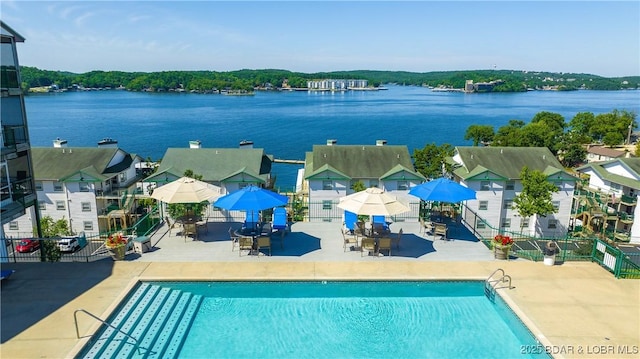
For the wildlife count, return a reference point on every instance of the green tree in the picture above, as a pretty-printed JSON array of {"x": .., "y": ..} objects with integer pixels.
[
  {"x": 536, "y": 196},
  {"x": 431, "y": 160},
  {"x": 50, "y": 229},
  {"x": 358, "y": 186},
  {"x": 509, "y": 135},
  {"x": 612, "y": 139},
  {"x": 479, "y": 133}
]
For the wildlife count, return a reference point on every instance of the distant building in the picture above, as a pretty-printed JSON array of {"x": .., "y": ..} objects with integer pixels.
[
  {"x": 336, "y": 85},
  {"x": 16, "y": 167},
  {"x": 597, "y": 153}
]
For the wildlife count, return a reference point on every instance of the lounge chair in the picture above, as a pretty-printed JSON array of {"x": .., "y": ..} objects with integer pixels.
[
  {"x": 264, "y": 242},
  {"x": 279, "y": 224},
  {"x": 350, "y": 220},
  {"x": 368, "y": 245},
  {"x": 245, "y": 243},
  {"x": 397, "y": 239},
  {"x": 279, "y": 219},
  {"x": 252, "y": 219},
  {"x": 348, "y": 238},
  {"x": 234, "y": 239},
  {"x": 384, "y": 244}
]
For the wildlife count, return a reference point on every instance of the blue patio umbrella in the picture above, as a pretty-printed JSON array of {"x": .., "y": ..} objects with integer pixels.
[
  {"x": 442, "y": 190},
  {"x": 251, "y": 198}
]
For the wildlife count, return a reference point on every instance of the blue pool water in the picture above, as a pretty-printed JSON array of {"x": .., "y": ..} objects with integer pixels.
[{"x": 450, "y": 319}]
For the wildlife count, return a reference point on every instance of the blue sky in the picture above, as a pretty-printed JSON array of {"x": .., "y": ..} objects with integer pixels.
[{"x": 601, "y": 38}]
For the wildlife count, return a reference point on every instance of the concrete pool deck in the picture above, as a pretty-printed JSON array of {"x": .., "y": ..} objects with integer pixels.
[{"x": 575, "y": 306}]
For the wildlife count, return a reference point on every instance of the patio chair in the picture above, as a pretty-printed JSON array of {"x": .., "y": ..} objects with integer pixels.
[
  {"x": 234, "y": 239},
  {"x": 189, "y": 229},
  {"x": 170, "y": 224},
  {"x": 245, "y": 243},
  {"x": 384, "y": 244},
  {"x": 348, "y": 238},
  {"x": 367, "y": 244},
  {"x": 264, "y": 242},
  {"x": 397, "y": 239},
  {"x": 440, "y": 229}
]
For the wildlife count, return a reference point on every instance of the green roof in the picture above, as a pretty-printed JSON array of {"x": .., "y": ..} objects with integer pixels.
[
  {"x": 215, "y": 164},
  {"x": 632, "y": 164},
  {"x": 358, "y": 161},
  {"x": 53, "y": 163},
  {"x": 506, "y": 162}
]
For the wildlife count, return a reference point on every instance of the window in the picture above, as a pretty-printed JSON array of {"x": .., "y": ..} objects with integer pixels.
[
  {"x": 327, "y": 204},
  {"x": 510, "y": 186},
  {"x": 84, "y": 187},
  {"x": 42, "y": 205},
  {"x": 327, "y": 185},
  {"x": 524, "y": 222},
  {"x": 483, "y": 205},
  {"x": 506, "y": 223},
  {"x": 60, "y": 205},
  {"x": 242, "y": 185},
  {"x": 13, "y": 226},
  {"x": 556, "y": 205},
  {"x": 57, "y": 187},
  {"x": 38, "y": 185},
  {"x": 560, "y": 186},
  {"x": 485, "y": 185},
  {"x": 373, "y": 183},
  {"x": 508, "y": 204},
  {"x": 87, "y": 225},
  {"x": 123, "y": 177},
  {"x": 86, "y": 206},
  {"x": 403, "y": 185},
  {"x": 481, "y": 225},
  {"x": 552, "y": 224}
]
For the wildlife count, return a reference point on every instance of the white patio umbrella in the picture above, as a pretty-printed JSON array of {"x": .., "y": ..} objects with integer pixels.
[
  {"x": 373, "y": 202},
  {"x": 186, "y": 190}
]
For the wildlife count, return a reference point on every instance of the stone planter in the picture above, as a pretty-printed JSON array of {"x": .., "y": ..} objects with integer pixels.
[
  {"x": 501, "y": 252},
  {"x": 117, "y": 253}
]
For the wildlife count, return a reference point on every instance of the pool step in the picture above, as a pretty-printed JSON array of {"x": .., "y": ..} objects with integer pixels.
[{"x": 157, "y": 317}]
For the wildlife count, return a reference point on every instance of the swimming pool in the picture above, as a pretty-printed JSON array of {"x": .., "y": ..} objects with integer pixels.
[{"x": 443, "y": 319}]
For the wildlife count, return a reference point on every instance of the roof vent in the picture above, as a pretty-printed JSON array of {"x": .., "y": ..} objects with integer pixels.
[
  {"x": 195, "y": 144},
  {"x": 58, "y": 143},
  {"x": 246, "y": 144},
  {"x": 331, "y": 142},
  {"x": 381, "y": 142}
]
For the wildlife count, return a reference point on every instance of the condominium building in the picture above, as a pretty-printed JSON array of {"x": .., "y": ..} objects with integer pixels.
[{"x": 18, "y": 187}]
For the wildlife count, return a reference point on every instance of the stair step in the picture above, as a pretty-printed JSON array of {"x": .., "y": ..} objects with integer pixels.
[
  {"x": 122, "y": 314},
  {"x": 148, "y": 322},
  {"x": 170, "y": 326},
  {"x": 136, "y": 313},
  {"x": 175, "y": 344}
]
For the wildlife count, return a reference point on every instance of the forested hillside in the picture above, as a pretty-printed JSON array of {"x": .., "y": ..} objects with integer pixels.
[{"x": 511, "y": 81}]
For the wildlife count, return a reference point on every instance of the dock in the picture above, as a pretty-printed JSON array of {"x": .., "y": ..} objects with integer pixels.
[{"x": 291, "y": 162}]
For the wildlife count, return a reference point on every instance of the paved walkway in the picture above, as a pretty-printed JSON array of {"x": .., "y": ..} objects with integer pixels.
[{"x": 576, "y": 307}]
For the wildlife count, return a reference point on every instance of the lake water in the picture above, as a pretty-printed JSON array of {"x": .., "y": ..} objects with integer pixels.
[{"x": 288, "y": 124}]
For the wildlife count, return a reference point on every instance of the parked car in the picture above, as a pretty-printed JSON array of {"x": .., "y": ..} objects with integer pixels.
[
  {"x": 27, "y": 245},
  {"x": 69, "y": 244}
]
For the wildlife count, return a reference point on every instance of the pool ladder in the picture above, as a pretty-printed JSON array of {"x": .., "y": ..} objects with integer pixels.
[
  {"x": 75, "y": 318},
  {"x": 494, "y": 282}
]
